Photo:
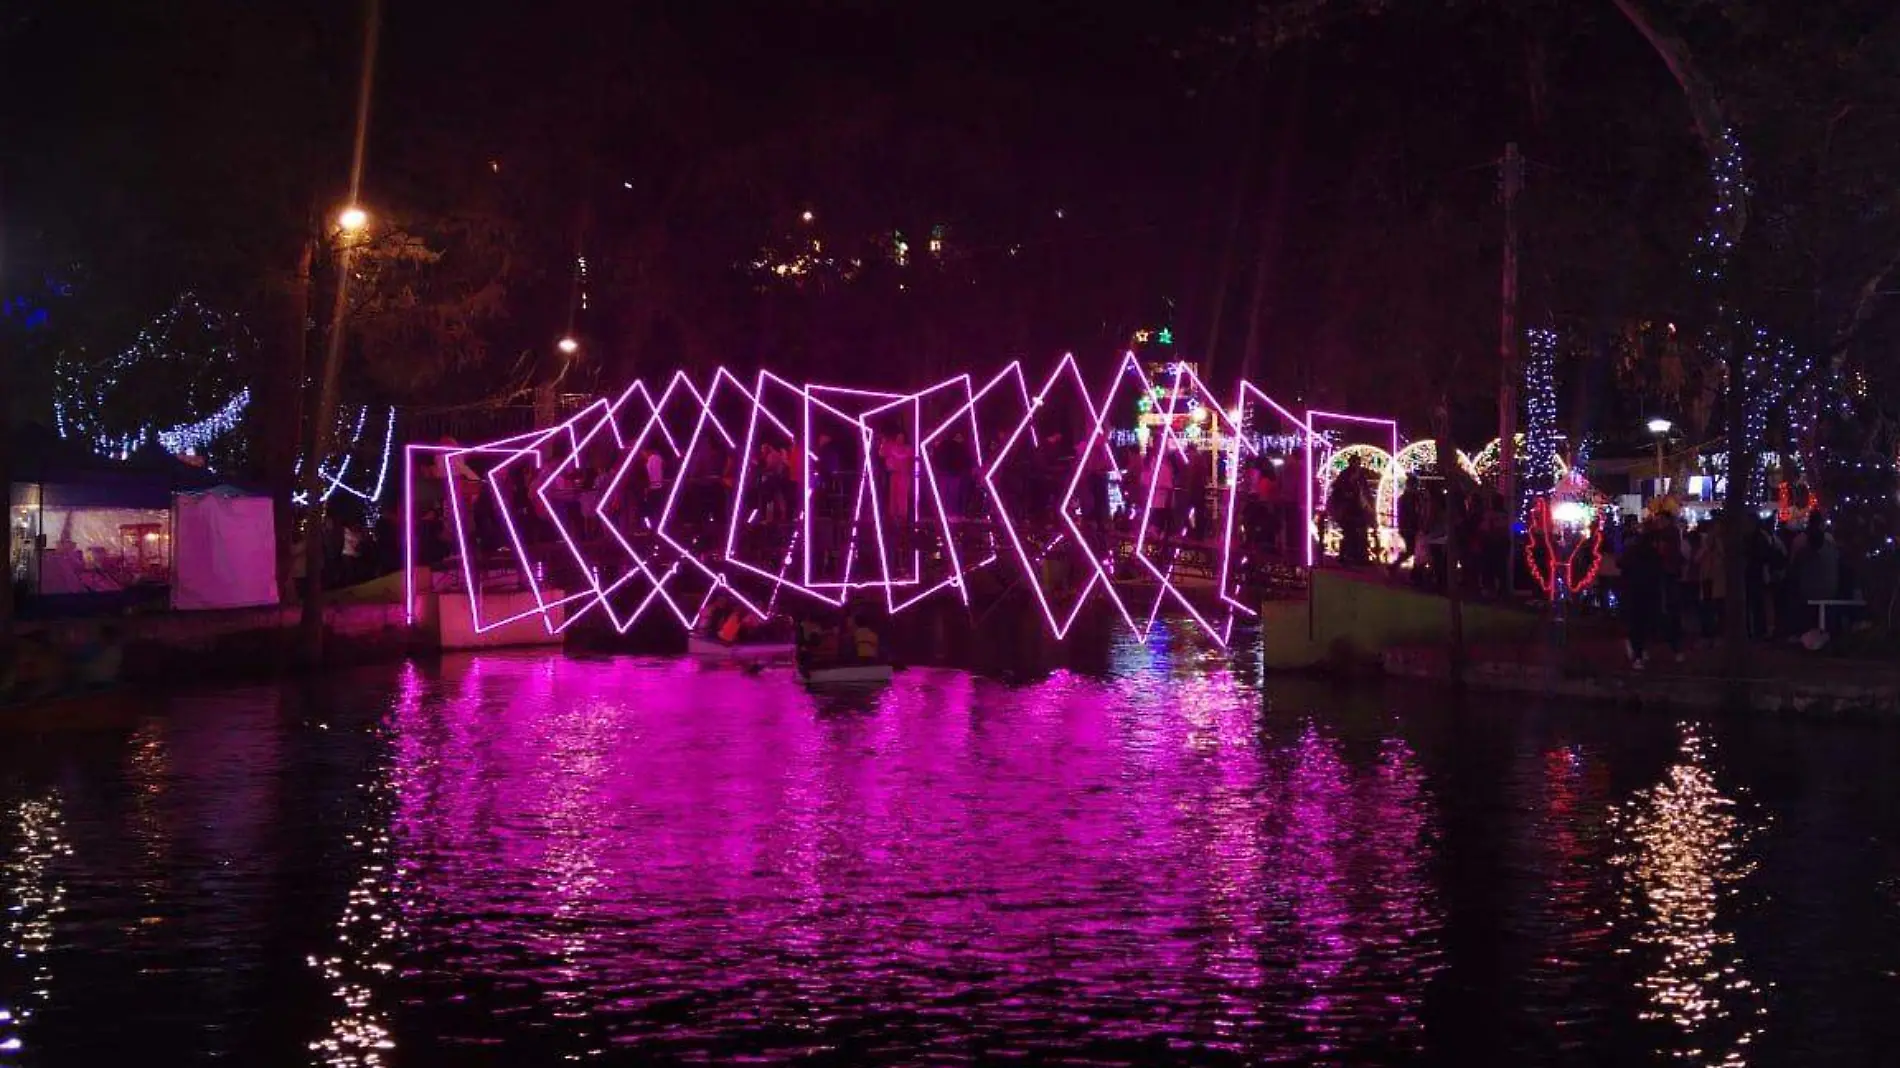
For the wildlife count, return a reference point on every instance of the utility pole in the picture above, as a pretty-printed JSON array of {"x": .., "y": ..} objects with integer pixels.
[{"x": 1510, "y": 183}]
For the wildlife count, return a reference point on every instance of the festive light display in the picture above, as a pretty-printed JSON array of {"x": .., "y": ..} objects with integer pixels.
[
  {"x": 1538, "y": 473},
  {"x": 1317, "y": 439},
  {"x": 1717, "y": 243},
  {"x": 646, "y": 561},
  {"x": 83, "y": 392},
  {"x": 335, "y": 471},
  {"x": 1415, "y": 457},
  {"x": 1563, "y": 551}
]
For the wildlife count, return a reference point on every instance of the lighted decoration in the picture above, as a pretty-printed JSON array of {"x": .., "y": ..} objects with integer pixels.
[
  {"x": 1377, "y": 462},
  {"x": 1318, "y": 439},
  {"x": 338, "y": 469},
  {"x": 83, "y": 391},
  {"x": 1564, "y": 547},
  {"x": 1540, "y": 468},
  {"x": 1251, "y": 399},
  {"x": 1484, "y": 466},
  {"x": 667, "y": 562},
  {"x": 1415, "y": 457}
]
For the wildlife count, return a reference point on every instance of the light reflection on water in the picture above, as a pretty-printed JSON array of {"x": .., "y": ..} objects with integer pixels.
[
  {"x": 671, "y": 857},
  {"x": 34, "y": 898},
  {"x": 532, "y": 860},
  {"x": 1685, "y": 849}
]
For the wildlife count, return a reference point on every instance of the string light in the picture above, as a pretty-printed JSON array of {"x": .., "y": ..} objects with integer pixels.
[
  {"x": 1540, "y": 425},
  {"x": 83, "y": 393},
  {"x": 1717, "y": 242},
  {"x": 197, "y": 437}
]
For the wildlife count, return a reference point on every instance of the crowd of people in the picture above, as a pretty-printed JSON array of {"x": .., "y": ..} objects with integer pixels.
[{"x": 1671, "y": 583}]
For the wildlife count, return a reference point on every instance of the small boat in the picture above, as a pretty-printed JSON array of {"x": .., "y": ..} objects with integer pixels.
[
  {"x": 713, "y": 649},
  {"x": 846, "y": 675}
]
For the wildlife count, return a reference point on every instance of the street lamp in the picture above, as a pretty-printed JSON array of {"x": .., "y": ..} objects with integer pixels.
[
  {"x": 568, "y": 346},
  {"x": 352, "y": 219},
  {"x": 1660, "y": 427}
]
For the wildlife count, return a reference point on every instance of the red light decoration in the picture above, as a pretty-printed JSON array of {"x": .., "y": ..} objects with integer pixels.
[{"x": 1549, "y": 563}]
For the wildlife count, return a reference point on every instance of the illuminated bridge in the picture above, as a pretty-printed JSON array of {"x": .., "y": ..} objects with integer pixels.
[{"x": 791, "y": 496}]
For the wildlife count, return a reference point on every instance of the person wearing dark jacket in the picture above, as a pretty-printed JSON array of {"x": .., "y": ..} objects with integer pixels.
[{"x": 1644, "y": 597}]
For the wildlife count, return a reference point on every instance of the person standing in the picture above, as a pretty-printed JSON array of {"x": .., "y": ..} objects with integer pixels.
[
  {"x": 1411, "y": 519},
  {"x": 899, "y": 460},
  {"x": 1347, "y": 508},
  {"x": 1711, "y": 565},
  {"x": 1162, "y": 489},
  {"x": 1642, "y": 595},
  {"x": 953, "y": 479}
]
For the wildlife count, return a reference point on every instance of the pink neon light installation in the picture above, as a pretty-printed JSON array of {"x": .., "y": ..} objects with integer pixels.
[
  {"x": 1060, "y": 627},
  {"x": 959, "y": 576},
  {"x": 607, "y": 424},
  {"x": 1233, "y": 489}
]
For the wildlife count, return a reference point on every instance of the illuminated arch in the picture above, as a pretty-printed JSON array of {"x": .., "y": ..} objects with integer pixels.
[
  {"x": 1375, "y": 460},
  {"x": 1484, "y": 466}
]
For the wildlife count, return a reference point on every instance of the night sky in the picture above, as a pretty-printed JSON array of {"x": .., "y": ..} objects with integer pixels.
[{"x": 153, "y": 148}]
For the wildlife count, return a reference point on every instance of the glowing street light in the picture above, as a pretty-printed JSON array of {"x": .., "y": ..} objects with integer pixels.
[
  {"x": 568, "y": 345},
  {"x": 806, "y": 217},
  {"x": 1660, "y": 427},
  {"x": 352, "y": 219}
]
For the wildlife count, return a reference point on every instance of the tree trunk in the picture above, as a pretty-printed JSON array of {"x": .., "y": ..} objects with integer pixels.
[{"x": 1711, "y": 125}]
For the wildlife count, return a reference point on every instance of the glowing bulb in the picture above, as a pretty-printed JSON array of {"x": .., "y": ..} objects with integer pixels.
[
  {"x": 807, "y": 217},
  {"x": 568, "y": 345},
  {"x": 352, "y": 219},
  {"x": 1570, "y": 513},
  {"x": 1660, "y": 426}
]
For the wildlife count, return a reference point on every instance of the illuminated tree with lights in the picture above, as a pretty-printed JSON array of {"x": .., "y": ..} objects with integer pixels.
[{"x": 179, "y": 385}]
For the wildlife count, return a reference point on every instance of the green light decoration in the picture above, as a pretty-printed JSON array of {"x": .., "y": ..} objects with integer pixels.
[{"x": 1164, "y": 336}]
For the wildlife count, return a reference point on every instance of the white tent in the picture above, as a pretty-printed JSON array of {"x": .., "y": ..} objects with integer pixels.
[{"x": 224, "y": 550}]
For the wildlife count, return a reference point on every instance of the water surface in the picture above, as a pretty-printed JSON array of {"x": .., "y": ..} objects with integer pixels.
[{"x": 528, "y": 860}]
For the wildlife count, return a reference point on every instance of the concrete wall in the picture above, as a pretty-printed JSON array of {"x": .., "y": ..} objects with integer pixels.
[{"x": 1349, "y": 620}]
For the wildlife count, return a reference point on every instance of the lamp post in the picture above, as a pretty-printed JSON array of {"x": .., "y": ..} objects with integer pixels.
[
  {"x": 1660, "y": 428},
  {"x": 352, "y": 223}
]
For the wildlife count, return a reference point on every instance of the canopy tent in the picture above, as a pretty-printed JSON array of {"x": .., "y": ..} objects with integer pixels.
[
  {"x": 224, "y": 550},
  {"x": 80, "y": 524}
]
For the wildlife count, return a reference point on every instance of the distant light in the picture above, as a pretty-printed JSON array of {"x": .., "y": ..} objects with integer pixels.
[
  {"x": 494, "y": 165},
  {"x": 1278, "y": 461},
  {"x": 352, "y": 219},
  {"x": 807, "y": 217},
  {"x": 1660, "y": 426},
  {"x": 1060, "y": 214},
  {"x": 626, "y": 185},
  {"x": 568, "y": 345},
  {"x": 1570, "y": 513}
]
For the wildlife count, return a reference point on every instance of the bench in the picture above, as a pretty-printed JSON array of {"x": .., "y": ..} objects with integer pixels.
[{"x": 1822, "y": 606}]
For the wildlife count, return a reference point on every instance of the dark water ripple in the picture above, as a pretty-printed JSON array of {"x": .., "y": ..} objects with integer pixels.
[{"x": 511, "y": 860}]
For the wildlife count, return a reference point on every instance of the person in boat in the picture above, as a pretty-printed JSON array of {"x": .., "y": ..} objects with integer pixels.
[
  {"x": 817, "y": 643},
  {"x": 711, "y": 616},
  {"x": 734, "y": 625}
]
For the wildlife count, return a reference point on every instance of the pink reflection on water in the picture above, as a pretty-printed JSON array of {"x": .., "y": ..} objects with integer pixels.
[{"x": 673, "y": 857}]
